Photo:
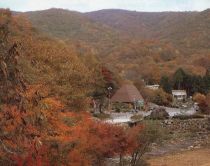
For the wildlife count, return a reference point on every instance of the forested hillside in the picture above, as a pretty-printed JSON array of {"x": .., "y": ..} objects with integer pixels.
[
  {"x": 185, "y": 29},
  {"x": 45, "y": 89},
  {"x": 59, "y": 67},
  {"x": 73, "y": 26},
  {"x": 134, "y": 44}
]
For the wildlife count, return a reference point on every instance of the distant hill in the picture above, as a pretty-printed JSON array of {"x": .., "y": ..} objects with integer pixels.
[
  {"x": 68, "y": 24},
  {"x": 72, "y": 26},
  {"x": 134, "y": 44},
  {"x": 177, "y": 27},
  {"x": 142, "y": 24}
]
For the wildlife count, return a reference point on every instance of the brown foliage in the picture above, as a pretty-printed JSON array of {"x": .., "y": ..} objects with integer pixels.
[
  {"x": 199, "y": 98},
  {"x": 157, "y": 96},
  {"x": 134, "y": 44},
  {"x": 203, "y": 102},
  {"x": 11, "y": 80}
]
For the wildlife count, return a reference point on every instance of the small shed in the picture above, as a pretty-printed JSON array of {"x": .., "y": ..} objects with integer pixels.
[{"x": 179, "y": 95}]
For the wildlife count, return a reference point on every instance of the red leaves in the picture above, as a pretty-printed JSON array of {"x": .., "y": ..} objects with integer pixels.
[
  {"x": 17, "y": 134},
  {"x": 33, "y": 158},
  {"x": 99, "y": 140},
  {"x": 133, "y": 137},
  {"x": 79, "y": 139}
]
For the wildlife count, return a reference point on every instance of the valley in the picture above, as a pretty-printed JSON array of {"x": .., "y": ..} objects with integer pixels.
[
  {"x": 134, "y": 44},
  {"x": 110, "y": 87}
]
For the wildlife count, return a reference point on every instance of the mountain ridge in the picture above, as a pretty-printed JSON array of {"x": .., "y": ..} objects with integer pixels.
[{"x": 129, "y": 41}]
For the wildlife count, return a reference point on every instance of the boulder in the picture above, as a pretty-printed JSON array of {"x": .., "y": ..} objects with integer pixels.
[{"x": 158, "y": 114}]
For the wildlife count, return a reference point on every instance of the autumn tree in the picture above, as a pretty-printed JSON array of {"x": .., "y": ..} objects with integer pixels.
[
  {"x": 142, "y": 136},
  {"x": 203, "y": 102},
  {"x": 42, "y": 83},
  {"x": 11, "y": 81},
  {"x": 199, "y": 98}
]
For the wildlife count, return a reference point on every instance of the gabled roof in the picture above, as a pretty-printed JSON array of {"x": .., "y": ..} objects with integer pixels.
[{"x": 127, "y": 93}]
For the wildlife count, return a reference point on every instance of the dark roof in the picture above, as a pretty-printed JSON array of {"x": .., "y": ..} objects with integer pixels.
[{"x": 127, "y": 93}]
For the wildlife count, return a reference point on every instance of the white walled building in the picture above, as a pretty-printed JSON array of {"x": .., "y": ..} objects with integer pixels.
[
  {"x": 153, "y": 87},
  {"x": 179, "y": 95}
]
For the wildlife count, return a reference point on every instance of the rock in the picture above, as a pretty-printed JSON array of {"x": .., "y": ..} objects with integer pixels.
[
  {"x": 190, "y": 147},
  {"x": 158, "y": 114},
  {"x": 168, "y": 122}
]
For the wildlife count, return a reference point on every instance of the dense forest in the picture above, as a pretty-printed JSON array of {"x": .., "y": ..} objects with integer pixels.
[{"x": 134, "y": 44}]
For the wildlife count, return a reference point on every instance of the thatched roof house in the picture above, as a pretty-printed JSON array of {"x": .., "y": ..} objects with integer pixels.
[{"x": 128, "y": 93}]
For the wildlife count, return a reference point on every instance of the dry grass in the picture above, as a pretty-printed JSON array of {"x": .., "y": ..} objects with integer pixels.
[{"x": 199, "y": 157}]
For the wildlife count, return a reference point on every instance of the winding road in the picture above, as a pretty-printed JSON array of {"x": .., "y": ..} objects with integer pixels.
[{"x": 126, "y": 117}]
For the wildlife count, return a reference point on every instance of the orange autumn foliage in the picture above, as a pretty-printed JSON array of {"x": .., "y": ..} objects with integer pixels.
[
  {"x": 80, "y": 139},
  {"x": 101, "y": 140},
  {"x": 91, "y": 144},
  {"x": 40, "y": 79}
]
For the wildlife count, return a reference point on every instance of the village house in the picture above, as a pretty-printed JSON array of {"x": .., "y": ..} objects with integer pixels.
[
  {"x": 128, "y": 94},
  {"x": 153, "y": 87},
  {"x": 179, "y": 95}
]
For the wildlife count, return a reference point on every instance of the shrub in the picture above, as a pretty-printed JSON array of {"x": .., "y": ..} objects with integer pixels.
[
  {"x": 203, "y": 102},
  {"x": 199, "y": 98},
  {"x": 151, "y": 132},
  {"x": 158, "y": 97},
  {"x": 101, "y": 116},
  {"x": 136, "y": 117},
  {"x": 122, "y": 107}
]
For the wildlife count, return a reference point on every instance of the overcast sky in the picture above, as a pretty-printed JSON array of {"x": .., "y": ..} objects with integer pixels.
[{"x": 92, "y": 5}]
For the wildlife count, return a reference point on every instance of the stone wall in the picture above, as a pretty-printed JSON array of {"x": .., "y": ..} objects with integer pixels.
[{"x": 192, "y": 125}]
